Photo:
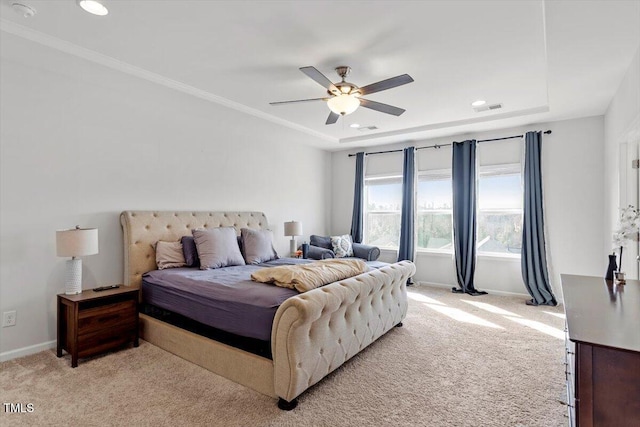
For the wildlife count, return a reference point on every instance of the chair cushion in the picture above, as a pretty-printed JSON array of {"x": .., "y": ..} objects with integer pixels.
[{"x": 321, "y": 241}]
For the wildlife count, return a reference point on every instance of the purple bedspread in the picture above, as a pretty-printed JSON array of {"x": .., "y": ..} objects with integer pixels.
[{"x": 224, "y": 298}]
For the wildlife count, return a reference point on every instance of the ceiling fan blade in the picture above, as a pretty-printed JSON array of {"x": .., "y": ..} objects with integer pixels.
[
  {"x": 333, "y": 117},
  {"x": 319, "y": 78},
  {"x": 383, "y": 108},
  {"x": 298, "y": 100},
  {"x": 386, "y": 84}
]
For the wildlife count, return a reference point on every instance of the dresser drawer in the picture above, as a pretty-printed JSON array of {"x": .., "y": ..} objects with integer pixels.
[{"x": 107, "y": 317}]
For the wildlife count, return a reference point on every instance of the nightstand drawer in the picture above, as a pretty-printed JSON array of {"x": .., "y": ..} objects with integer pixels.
[
  {"x": 106, "y": 317},
  {"x": 108, "y": 339}
]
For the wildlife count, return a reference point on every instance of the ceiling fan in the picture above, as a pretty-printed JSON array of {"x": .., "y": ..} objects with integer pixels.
[{"x": 345, "y": 98}]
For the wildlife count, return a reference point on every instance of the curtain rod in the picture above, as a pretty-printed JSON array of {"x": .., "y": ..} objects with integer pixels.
[{"x": 547, "y": 132}]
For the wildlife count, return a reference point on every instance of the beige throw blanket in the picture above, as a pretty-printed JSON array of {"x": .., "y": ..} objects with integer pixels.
[{"x": 305, "y": 277}]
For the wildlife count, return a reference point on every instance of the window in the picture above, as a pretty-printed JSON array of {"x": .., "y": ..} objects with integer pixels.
[
  {"x": 383, "y": 200},
  {"x": 499, "y": 209},
  {"x": 499, "y": 215},
  {"x": 435, "y": 220}
]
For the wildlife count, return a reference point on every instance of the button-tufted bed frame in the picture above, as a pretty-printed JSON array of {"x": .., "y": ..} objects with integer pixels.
[{"x": 312, "y": 334}]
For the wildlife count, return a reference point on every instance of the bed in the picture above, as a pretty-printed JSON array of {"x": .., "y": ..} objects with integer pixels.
[{"x": 312, "y": 334}]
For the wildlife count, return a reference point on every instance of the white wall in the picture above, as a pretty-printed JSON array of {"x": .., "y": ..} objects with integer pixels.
[
  {"x": 573, "y": 191},
  {"x": 621, "y": 118},
  {"x": 80, "y": 143}
]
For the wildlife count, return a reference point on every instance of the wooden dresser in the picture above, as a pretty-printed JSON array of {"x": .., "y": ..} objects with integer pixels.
[{"x": 603, "y": 351}]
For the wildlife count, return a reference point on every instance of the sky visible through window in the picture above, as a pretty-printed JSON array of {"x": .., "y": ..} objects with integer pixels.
[
  {"x": 494, "y": 192},
  {"x": 434, "y": 194},
  {"x": 385, "y": 196},
  {"x": 500, "y": 192}
]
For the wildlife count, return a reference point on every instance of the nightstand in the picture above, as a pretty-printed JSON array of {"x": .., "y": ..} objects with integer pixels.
[{"x": 94, "y": 322}]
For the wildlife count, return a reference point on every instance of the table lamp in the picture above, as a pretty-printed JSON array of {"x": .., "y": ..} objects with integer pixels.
[
  {"x": 75, "y": 243},
  {"x": 293, "y": 229}
]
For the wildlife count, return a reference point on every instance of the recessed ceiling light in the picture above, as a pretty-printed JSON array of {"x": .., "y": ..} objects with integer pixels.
[
  {"x": 24, "y": 10},
  {"x": 94, "y": 7},
  {"x": 478, "y": 103},
  {"x": 354, "y": 125}
]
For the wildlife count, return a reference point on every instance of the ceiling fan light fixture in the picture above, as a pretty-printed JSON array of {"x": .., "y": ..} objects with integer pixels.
[
  {"x": 343, "y": 104},
  {"x": 344, "y": 97},
  {"x": 93, "y": 7}
]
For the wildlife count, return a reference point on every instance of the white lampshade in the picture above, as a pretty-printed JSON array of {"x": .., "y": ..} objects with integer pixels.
[
  {"x": 77, "y": 242},
  {"x": 293, "y": 228},
  {"x": 343, "y": 104}
]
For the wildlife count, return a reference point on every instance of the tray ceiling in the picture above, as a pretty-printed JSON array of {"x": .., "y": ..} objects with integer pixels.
[{"x": 540, "y": 60}]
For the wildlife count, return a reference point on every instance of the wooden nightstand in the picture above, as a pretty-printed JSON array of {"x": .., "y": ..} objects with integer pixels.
[{"x": 94, "y": 322}]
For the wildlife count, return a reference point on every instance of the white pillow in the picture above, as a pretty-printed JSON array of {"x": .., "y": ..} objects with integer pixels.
[
  {"x": 342, "y": 245},
  {"x": 217, "y": 247},
  {"x": 169, "y": 255}
]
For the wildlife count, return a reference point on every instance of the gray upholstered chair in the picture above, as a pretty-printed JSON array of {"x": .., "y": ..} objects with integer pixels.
[{"x": 320, "y": 248}]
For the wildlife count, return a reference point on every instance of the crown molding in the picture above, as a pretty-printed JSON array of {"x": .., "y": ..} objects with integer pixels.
[
  {"x": 451, "y": 124},
  {"x": 115, "y": 64}
]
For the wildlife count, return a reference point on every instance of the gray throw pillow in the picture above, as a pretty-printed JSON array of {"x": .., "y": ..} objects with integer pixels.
[
  {"x": 217, "y": 247},
  {"x": 257, "y": 246},
  {"x": 190, "y": 252}
]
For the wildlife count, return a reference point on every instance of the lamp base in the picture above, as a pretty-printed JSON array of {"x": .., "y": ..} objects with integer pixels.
[
  {"x": 73, "y": 283},
  {"x": 292, "y": 246}
]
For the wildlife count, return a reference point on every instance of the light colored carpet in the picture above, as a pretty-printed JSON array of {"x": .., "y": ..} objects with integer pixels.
[{"x": 458, "y": 361}]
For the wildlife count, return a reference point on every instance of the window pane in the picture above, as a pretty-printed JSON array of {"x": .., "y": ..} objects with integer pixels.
[
  {"x": 434, "y": 193},
  {"x": 384, "y": 196},
  {"x": 500, "y": 209},
  {"x": 499, "y": 232},
  {"x": 383, "y": 200},
  {"x": 435, "y": 230},
  {"x": 500, "y": 192},
  {"x": 434, "y": 222},
  {"x": 382, "y": 229}
]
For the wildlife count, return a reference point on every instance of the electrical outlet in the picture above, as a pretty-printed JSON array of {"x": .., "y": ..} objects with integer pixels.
[{"x": 8, "y": 318}]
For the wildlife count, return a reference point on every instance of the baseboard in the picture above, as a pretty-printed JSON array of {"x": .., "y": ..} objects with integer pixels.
[
  {"x": 25, "y": 351},
  {"x": 491, "y": 291}
]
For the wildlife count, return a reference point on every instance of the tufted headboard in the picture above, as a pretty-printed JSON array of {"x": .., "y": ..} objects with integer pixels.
[{"x": 141, "y": 229}]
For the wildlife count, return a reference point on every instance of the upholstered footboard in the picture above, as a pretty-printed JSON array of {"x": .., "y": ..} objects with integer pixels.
[{"x": 317, "y": 331}]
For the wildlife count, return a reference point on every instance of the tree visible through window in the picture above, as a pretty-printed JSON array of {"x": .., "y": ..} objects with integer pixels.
[
  {"x": 499, "y": 215},
  {"x": 383, "y": 200},
  {"x": 434, "y": 228},
  {"x": 500, "y": 209}
]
